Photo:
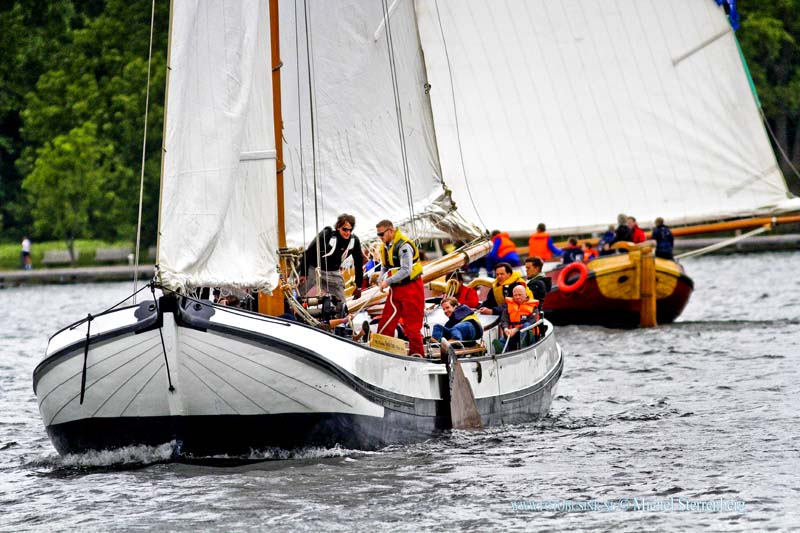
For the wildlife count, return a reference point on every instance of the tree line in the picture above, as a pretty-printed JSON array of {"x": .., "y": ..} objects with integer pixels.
[{"x": 73, "y": 77}]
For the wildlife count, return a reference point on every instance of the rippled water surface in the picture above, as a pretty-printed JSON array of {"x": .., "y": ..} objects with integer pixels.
[{"x": 685, "y": 418}]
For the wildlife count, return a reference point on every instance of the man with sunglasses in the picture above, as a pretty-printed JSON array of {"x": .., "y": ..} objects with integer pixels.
[
  {"x": 324, "y": 257},
  {"x": 402, "y": 273}
]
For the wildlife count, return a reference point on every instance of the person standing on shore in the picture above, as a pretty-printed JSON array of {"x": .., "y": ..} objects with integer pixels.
[{"x": 25, "y": 254}]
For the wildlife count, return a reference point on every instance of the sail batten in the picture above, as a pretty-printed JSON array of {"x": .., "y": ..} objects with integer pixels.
[{"x": 571, "y": 112}]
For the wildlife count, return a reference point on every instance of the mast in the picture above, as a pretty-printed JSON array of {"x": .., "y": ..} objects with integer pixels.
[
  {"x": 277, "y": 118},
  {"x": 273, "y": 304}
]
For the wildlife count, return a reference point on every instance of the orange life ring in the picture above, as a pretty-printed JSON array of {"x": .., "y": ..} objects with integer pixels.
[{"x": 583, "y": 275}]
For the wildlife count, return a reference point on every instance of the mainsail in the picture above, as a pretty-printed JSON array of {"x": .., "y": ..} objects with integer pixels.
[
  {"x": 351, "y": 157},
  {"x": 217, "y": 223},
  {"x": 572, "y": 111}
]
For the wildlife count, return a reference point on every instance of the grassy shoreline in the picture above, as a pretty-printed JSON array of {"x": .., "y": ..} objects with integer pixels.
[{"x": 10, "y": 253}]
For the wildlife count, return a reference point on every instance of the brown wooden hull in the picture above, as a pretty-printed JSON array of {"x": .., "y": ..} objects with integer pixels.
[{"x": 610, "y": 295}]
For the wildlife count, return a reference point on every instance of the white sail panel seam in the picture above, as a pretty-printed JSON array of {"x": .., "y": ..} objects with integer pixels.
[{"x": 257, "y": 155}]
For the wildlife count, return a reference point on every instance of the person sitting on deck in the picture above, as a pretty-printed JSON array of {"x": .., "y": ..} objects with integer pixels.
[
  {"x": 501, "y": 289},
  {"x": 538, "y": 283},
  {"x": 604, "y": 244},
  {"x": 637, "y": 233},
  {"x": 465, "y": 295},
  {"x": 664, "y": 240},
  {"x": 540, "y": 244},
  {"x": 503, "y": 251},
  {"x": 573, "y": 252},
  {"x": 463, "y": 323},
  {"x": 623, "y": 232},
  {"x": 518, "y": 312},
  {"x": 589, "y": 252}
]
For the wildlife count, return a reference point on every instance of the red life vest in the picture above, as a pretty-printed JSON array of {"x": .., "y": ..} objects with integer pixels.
[{"x": 537, "y": 246}]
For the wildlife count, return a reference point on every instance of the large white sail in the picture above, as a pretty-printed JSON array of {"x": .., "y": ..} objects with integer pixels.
[
  {"x": 571, "y": 111},
  {"x": 218, "y": 218},
  {"x": 359, "y": 157}
]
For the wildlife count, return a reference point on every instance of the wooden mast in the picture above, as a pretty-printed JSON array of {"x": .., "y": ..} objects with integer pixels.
[{"x": 273, "y": 304}]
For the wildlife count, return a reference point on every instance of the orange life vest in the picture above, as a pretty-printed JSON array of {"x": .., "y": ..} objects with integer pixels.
[
  {"x": 589, "y": 254},
  {"x": 537, "y": 246},
  {"x": 517, "y": 311},
  {"x": 506, "y": 245}
]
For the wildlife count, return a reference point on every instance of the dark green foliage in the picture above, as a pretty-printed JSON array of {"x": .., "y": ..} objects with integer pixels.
[
  {"x": 769, "y": 38},
  {"x": 78, "y": 79}
]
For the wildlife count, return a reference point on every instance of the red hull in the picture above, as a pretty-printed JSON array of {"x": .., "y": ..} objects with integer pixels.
[{"x": 603, "y": 299}]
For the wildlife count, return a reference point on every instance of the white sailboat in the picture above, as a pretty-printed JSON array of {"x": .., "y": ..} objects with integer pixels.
[
  {"x": 216, "y": 379},
  {"x": 580, "y": 110}
]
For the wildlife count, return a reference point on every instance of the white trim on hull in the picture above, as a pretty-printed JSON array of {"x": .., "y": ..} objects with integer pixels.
[{"x": 259, "y": 378}]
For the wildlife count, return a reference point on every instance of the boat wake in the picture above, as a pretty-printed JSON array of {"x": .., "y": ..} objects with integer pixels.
[{"x": 135, "y": 457}]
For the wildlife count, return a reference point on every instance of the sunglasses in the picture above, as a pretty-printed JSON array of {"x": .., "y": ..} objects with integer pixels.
[
  {"x": 380, "y": 233},
  {"x": 346, "y": 229}
]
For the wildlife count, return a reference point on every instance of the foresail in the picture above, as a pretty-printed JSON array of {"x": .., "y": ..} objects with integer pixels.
[
  {"x": 358, "y": 164},
  {"x": 569, "y": 112},
  {"x": 217, "y": 222}
]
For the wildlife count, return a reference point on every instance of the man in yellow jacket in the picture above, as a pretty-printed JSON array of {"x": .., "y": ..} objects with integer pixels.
[
  {"x": 402, "y": 273},
  {"x": 502, "y": 288}
]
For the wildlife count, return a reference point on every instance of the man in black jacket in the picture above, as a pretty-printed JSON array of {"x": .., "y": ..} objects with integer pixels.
[
  {"x": 538, "y": 283},
  {"x": 324, "y": 257}
]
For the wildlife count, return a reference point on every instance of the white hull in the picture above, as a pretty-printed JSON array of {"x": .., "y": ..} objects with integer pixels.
[{"x": 225, "y": 381}]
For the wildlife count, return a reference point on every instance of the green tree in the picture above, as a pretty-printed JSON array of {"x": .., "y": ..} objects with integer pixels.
[
  {"x": 32, "y": 33},
  {"x": 100, "y": 78},
  {"x": 69, "y": 185},
  {"x": 769, "y": 40}
]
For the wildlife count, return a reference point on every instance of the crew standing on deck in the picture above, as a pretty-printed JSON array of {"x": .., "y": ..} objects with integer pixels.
[
  {"x": 540, "y": 244},
  {"x": 402, "y": 274},
  {"x": 331, "y": 247}
]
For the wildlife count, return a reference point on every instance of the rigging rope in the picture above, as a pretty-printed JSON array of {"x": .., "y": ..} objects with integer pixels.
[
  {"x": 317, "y": 188},
  {"x": 455, "y": 118},
  {"x": 778, "y": 144},
  {"x": 400, "y": 126},
  {"x": 144, "y": 148}
]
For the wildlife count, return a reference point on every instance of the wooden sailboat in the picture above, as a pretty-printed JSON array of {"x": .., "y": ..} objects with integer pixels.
[
  {"x": 569, "y": 113},
  {"x": 221, "y": 380}
]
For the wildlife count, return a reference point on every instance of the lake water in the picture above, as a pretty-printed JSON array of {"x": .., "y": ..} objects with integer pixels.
[{"x": 687, "y": 426}]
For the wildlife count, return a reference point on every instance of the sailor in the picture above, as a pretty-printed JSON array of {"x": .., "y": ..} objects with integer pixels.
[
  {"x": 332, "y": 247},
  {"x": 504, "y": 282},
  {"x": 464, "y": 294},
  {"x": 623, "y": 232},
  {"x": 637, "y": 233},
  {"x": 503, "y": 251},
  {"x": 518, "y": 312},
  {"x": 573, "y": 252},
  {"x": 540, "y": 244},
  {"x": 402, "y": 274},
  {"x": 538, "y": 283},
  {"x": 463, "y": 323},
  {"x": 664, "y": 240},
  {"x": 589, "y": 252}
]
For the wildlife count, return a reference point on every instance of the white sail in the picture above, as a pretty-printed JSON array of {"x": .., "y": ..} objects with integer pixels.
[
  {"x": 218, "y": 220},
  {"x": 359, "y": 156},
  {"x": 571, "y": 111}
]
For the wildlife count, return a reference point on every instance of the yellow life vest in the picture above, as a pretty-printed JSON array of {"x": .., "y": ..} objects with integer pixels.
[
  {"x": 514, "y": 279},
  {"x": 391, "y": 255}
]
